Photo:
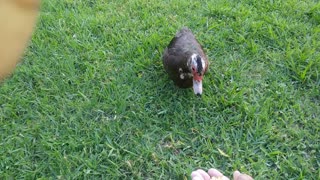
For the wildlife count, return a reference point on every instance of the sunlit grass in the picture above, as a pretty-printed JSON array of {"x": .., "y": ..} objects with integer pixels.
[{"x": 92, "y": 100}]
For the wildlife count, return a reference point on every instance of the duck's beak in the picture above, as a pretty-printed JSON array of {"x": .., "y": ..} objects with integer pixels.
[{"x": 197, "y": 87}]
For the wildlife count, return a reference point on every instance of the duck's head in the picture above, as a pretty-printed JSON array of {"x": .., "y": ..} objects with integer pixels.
[{"x": 197, "y": 66}]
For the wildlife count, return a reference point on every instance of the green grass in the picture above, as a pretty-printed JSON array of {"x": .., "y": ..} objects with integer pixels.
[{"x": 91, "y": 99}]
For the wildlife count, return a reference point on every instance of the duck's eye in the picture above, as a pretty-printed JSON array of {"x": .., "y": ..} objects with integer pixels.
[{"x": 193, "y": 69}]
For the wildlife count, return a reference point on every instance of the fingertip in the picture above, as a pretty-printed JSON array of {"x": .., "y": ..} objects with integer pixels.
[
  {"x": 214, "y": 173},
  {"x": 239, "y": 176},
  {"x": 204, "y": 174},
  {"x": 236, "y": 174},
  {"x": 197, "y": 178},
  {"x": 195, "y": 174}
]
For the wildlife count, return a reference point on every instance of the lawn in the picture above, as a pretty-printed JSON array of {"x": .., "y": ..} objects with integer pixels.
[{"x": 91, "y": 99}]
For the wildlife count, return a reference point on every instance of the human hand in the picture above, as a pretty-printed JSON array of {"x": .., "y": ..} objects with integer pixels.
[{"x": 214, "y": 174}]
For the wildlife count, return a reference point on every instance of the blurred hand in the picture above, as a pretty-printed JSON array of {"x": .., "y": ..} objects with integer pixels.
[{"x": 17, "y": 19}]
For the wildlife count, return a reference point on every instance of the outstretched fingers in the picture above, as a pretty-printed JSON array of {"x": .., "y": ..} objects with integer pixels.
[{"x": 212, "y": 174}]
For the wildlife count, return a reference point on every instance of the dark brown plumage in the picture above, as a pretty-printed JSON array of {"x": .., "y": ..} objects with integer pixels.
[{"x": 184, "y": 60}]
